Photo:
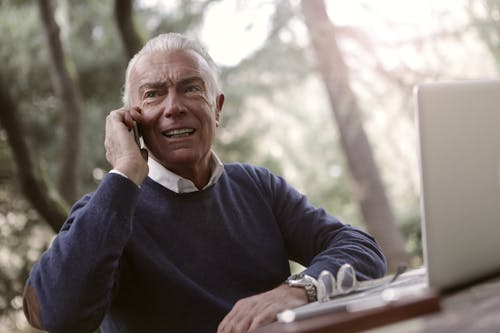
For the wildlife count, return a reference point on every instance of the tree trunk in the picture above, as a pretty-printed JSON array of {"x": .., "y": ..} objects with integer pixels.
[
  {"x": 130, "y": 38},
  {"x": 367, "y": 183},
  {"x": 67, "y": 90},
  {"x": 34, "y": 185}
]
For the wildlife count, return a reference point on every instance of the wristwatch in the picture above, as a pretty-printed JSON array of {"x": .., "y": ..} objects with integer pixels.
[{"x": 306, "y": 282}]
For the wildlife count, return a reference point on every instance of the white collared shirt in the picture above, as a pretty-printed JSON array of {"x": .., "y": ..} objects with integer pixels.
[{"x": 178, "y": 184}]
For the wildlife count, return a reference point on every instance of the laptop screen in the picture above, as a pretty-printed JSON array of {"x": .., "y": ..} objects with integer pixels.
[{"x": 459, "y": 137}]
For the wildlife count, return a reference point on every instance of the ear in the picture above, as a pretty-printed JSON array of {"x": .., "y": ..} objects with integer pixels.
[{"x": 219, "y": 103}]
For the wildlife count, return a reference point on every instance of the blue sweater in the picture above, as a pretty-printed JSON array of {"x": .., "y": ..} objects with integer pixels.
[{"x": 151, "y": 260}]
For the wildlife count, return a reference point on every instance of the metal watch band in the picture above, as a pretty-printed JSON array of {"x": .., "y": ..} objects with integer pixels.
[
  {"x": 305, "y": 282},
  {"x": 311, "y": 292}
]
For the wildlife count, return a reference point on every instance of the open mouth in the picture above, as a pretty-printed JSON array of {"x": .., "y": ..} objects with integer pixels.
[{"x": 179, "y": 133}]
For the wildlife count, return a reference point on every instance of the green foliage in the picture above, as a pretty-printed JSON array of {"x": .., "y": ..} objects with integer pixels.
[
  {"x": 22, "y": 239},
  {"x": 181, "y": 16},
  {"x": 413, "y": 234},
  {"x": 485, "y": 16}
]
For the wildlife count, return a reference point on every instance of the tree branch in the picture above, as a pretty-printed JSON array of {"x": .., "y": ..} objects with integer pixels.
[
  {"x": 130, "y": 38},
  {"x": 34, "y": 186},
  {"x": 367, "y": 183},
  {"x": 67, "y": 91}
]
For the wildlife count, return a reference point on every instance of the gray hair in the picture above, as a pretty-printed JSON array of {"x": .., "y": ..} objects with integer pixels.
[{"x": 170, "y": 42}]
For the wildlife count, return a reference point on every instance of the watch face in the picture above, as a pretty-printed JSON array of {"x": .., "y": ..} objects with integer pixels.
[
  {"x": 297, "y": 283},
  {"x": 299, "y": 280},
  {"x": 296, "y": 277}
]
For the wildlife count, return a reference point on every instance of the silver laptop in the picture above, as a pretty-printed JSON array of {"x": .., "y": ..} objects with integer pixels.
[{"x": 459, "y": 136}]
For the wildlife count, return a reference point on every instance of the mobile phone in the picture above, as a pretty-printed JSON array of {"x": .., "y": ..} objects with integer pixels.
[{"x": 137, "y": 134}]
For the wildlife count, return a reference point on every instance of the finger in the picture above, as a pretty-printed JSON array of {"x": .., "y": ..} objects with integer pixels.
[
  {"x": 127, "y": 119},
  {"x": 238, "y": 319},
  {"x": 116, "y": 123},
  {"x": 118, "y": 141},
  {"x": 234, "y": 327},
  {"x": 136, "y": 114},
  {"x": 264, "y": 317},
  {"x": 130, "y": 117}
]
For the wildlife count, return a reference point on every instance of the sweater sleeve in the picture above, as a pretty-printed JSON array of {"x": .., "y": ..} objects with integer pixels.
[
  {"x": 70, "y": 288},
  {"x": 320, "y": 241}
]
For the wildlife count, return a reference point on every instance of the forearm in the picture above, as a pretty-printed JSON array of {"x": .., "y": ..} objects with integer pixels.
[
  {"x": 73, "y": 280},
  {"x": 319, "y": 241},
  {"x": 350, "y": 245}
]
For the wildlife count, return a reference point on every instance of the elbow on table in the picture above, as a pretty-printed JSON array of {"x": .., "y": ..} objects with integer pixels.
[
  {"x": 374, "y": 266},
  {"x": 379, "y": 266},
  {"x": 382, "y": 267}
]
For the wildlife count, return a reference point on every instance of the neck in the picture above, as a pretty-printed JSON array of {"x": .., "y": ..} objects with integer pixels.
[
  {"x": 199, "y": 178},
  {"x": 199, "y": 173}
]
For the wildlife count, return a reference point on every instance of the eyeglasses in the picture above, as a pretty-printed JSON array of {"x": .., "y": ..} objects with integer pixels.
[{"x": 346, "y": 282}]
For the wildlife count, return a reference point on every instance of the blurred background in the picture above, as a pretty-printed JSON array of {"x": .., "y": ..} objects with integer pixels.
[{"x": 318, "y": 91}]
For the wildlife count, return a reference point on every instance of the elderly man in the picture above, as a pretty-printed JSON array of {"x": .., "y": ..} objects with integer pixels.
[{"x": 173, "y": 240}]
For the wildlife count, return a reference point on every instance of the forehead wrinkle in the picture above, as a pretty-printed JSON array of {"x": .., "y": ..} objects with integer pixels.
[
  {"x": 169, "y": 68},
  {"x": 169, "y": 83},
  {"x": 158, "y": 84}
]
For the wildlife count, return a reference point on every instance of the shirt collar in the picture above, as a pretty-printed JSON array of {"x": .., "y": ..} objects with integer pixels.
[{"x": 178, "y": 184}]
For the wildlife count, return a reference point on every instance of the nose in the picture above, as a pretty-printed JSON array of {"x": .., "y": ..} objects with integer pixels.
[{"x": 174, "y": 106}]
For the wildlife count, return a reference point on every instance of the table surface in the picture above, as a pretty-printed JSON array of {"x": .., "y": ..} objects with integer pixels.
[{"x": 472, "y": 309}]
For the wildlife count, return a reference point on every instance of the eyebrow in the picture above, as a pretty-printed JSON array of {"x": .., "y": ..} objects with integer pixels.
[
  {"x": 190, "y": 79},
  {"x": 163, "y": 84},
  {"x": 154, "y": 85}
]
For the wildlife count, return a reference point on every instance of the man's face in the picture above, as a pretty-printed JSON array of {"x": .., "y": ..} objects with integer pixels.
[{"x": 181, "y": 114}]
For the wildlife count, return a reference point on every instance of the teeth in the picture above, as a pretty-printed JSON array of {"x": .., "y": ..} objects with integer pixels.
[{"x": 179, "y": 132}]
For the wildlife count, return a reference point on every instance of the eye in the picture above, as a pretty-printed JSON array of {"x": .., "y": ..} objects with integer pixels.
[
  {"x": 192, "y": 88},
  {"x": 150, "y": 94}
]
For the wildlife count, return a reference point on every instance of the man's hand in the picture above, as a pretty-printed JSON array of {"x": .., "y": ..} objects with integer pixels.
[
  {"x": 121, "y": 150},
  {"x": 259, "y": 310}
]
